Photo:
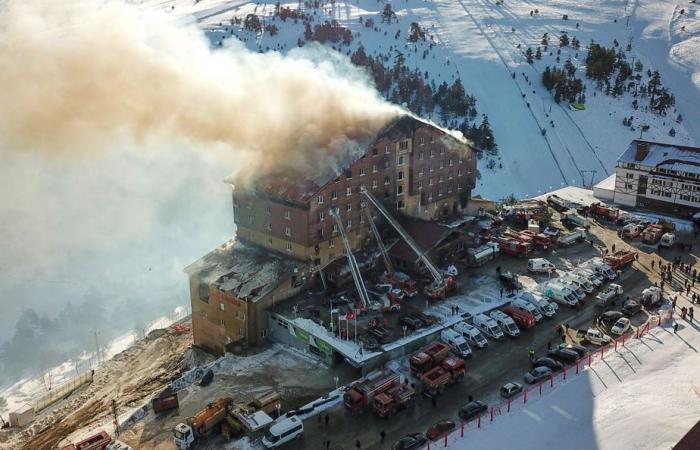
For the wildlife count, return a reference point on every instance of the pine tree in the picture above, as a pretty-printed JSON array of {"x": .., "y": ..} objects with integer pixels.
[
  {"x": 487, "y": 140},
  {"x": 563, "y": 40},
  {"x": 538, "y": 54}
]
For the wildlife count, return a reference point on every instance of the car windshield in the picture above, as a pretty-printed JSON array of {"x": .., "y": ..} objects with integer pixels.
[
  {"x": 271, "y": 437},
  {"x": 178, "y": 434}
]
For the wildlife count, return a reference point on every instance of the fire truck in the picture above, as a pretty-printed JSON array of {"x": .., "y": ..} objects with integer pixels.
[
  {"x": 361, "y": 394},
  {"x": 387, "y": 403},
  {"x": 449, "y": 372},
  {"x": 428, "y": 357}
]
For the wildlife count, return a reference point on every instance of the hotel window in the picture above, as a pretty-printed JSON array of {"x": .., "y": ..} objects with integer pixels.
[
  {"x": 288, "y": 215},
  {"x": 321, "y": 216},
  {"x": 442, "y": 164},
  {"x": 400, "y": 175},
  {"x": 362, "y": 171},
  {"x": 249, "y": 204},
  {"x": 348, "y": 192},
  {"x": 375, "y": 151},
  {"x": 374, "y": 168},
  {"x": 268, "y": 210},
  {"x": 399, "y": 189},
  {"x": 442, "y": 150},
  {"x": 420, "y": 184},
  {"x": 403, "y": 145},
  {"x": 386, "y": 180},
  {"x": 420, "y": 172},
  {"x": 222, "y": 307},
  {"x": 250, "y": 220},
  {"x": 334, "y": 195},
  {"x": 320, "y": 200},
  {"x": 362, "y": 218},
  {"x": 331, "y": 242},
  {"x": 348, "y": 207},
  {"x": 374, "y": 184},
  {"x": 430, "y": 181},
  {"x": 335, "y": 228},
  {"x": 432, "y": 154},
  {"x": 421, "y": 141},
  {"x": 441, "y": 179},
  {"x": 399, "y": 204},
  {"x": 449, "y": 175},
  {"x": 400, "y": 161},
  {"x": 287, "y": 231},
  {"x": 432, "y": 139},
  {"x": 349, "y": 225},
  {"x": 289, "y": 246},
  {"x": 268, "y": 226},
  {"x": 439, "y": 192},
  {"x": 449, "y": 161},
  {"x": 386, "y": 149}
]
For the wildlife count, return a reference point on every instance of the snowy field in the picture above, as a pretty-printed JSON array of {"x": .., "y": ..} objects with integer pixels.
[
  {"x": 483, "y": 42},
  {"x": 645, "y": 396}
]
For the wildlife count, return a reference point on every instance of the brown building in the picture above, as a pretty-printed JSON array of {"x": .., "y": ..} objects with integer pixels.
[
  {"x": 415, "y": 168},
  {"x": 232, "y": 286},
  {"x": 285, "y": 232}
]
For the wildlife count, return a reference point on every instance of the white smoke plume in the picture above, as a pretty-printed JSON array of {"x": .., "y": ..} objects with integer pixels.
[{"x": 74, "y": 74}]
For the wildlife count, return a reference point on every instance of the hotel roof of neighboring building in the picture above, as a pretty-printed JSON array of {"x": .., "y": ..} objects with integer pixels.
[
  {"x": 667, "y": 156},
  {"x": 243, "y": 269}
]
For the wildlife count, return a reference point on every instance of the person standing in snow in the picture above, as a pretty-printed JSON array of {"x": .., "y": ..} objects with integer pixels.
[{"x": 690, "y": 313}]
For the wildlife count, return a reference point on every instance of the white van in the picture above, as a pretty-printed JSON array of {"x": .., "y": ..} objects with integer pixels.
[
  {"x": 580, "y": 281},
  {"x": 118, "y": 445},
  {"x": 667, "y": 240},
  {"x": 471, "y": 334},
  {"x": 543, "y": 306},
  {"x": 599, "y": 266},
  {"x": 456, "y": 342},
  {"x": 524, "y": 305},
  {"x": 282, "y": 431},
  {"x": 594, "y": 278},
  {"x": 506, "y": 323},
  {"x": 540, "y": 265},
  {"x": 575, "y": 288},
  {"x": 559, "y": 293},
  {"x": 488, "y": 326}
]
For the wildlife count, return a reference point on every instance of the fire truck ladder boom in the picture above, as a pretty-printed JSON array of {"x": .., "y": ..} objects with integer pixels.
[
  {"x": 352, "y": 263},
  {"x": 380, "y": 243},
  {"x": 437, "y": 276}
]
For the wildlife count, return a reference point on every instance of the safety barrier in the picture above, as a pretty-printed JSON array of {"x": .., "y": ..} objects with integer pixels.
[
  {"x": 62, "y": 391},
  {"x": 510, "y": 404}
]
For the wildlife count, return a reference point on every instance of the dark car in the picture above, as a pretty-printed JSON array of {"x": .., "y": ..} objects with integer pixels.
[
  {"x": 413, "y": 440},
  {"x": 511, "y": 389},
  {"x": 472, "y": 409},
  {"x": 610, "y": 317},
  {"x": 564, "y": 355},
  {"x": 369, "y": 342},
  {"x": 547, "y": 362},
  {"x": 411, "y": 322},
  {"x": 579, "y": 349},
  {"x": 509, "y": 281},
  {"x": 427, "y": 319},
  {"x": 631, "y": 308},
  {"x": 537, "y": 374},
  {"x": 438, "y": 430}
]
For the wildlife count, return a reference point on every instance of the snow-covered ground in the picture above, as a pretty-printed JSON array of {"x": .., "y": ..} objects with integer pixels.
[
  {"x": 644, "y": 396},
  {"x": 483, "y": 43}
]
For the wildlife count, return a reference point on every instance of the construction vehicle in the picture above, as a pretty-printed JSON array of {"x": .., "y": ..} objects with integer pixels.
[
  {"x": 480, "y": 255},
  {"x": 387, "y": 301},
  {"x": 515, "y": 248},
  {"x": 449, "y": 372},
  {"x": 540, "y": 240},
  {"x": 361, "y": 394},
  {"x": 428, "y": 357},
  {"x": 652, "y": 234},
  {"x": 442, "y": 283},
  {"x": 229, "y": 417},
  {"x": 621, "y": 259},
  {"x": 98, "y": 441},
  {"x": 577, "y": 235},
  {"x": 523, "y": 319},
  {"x": 365, "y": 301},
  {"x": 387, "y": 403},
  {"x": 604, "y": 212}
]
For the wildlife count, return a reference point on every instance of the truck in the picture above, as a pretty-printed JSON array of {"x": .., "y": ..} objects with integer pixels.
[
  {"x": 98, "y": 441},
  {"x": 575, "y": 219},
  {"x": 449, "y": 372},
  {"x": 621, "y": 259},
  {"x": 524, "y": 305},
  {"x": 360, "y": 395},
  {"x": 652, "y": 234},
  {"x": 230, "y": 417},
  {"x": 578, "y": 234},
  {"x": 523, "y": 319},
  {"x": 505, "y": 322},
  {"x": 165, "y": 401},
  {"x": 543, "y": 306},
  {"x": 559, "y": 293},
  {"x": 456, "y": 341},
  {"x": 428, "y": 357},
  {"x": 604, "y": 212},
  {"x": 471, "y": 334},
  {"x": 558, "y": 203},
  {"x": 540, "y": 240},
  {"x": 480, "y": 255},
  {"x": 387, "y": 403},
  {"x": 631, "y": 231},
  {"x": 610, "y": 292},
  {"x": 488, "y": 326},
  {"x": 515, "y": 248}
]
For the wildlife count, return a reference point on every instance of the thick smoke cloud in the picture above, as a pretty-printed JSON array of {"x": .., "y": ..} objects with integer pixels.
[
  {"x": 81, "y": 73},
  {"x": 117, "y": 129}
]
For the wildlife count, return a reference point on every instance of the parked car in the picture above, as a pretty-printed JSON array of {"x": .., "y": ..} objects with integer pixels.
[
  {"x": 621, "y": 326},
  {"x": 597, "y": 337},
  {"x": 472, "y": 409},
  {"x": 537, "y": 374},
  {"x": 631, "y": 308},
  {"x": 564, "y": 355},
  {"x": 411, "y": 322},
  {"x": 544, "y": 361},
  {"x": 509, "y": 390},
  {"x": 441, "y": 428},
  {"x": 579, "y": 349},
  {"x": 413, "y": 440},
  {"x": 427, "y": 319},
  {"x": 610, "y": 317},
  {"x": 610, "y": 292}
]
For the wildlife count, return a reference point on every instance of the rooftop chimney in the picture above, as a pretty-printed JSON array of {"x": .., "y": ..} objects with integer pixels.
[{"x": 642, "y": 151}]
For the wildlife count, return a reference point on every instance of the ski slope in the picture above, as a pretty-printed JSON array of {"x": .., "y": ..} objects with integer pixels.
[
  {"x": 643, "y": 397},
  {"x": 483, "y": 43}
]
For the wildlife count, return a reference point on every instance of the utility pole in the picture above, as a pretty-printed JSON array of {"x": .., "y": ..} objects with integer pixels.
[{"x": 116, "y": 417}]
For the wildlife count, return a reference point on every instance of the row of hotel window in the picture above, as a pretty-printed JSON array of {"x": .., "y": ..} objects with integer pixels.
[
  {"x": 400, "y": 162},
  {"x": 661, "y": 170}
]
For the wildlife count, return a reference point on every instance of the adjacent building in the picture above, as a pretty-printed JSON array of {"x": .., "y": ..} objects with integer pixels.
[
  {"x": 660, "y": 177},
  {"x": 285, "y": 233}
]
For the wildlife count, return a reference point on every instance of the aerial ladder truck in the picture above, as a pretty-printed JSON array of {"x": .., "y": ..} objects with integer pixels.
[{"x": 441, "y": 284}]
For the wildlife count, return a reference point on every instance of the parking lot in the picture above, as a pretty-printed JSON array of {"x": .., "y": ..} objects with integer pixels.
[{"x": 502, "y": 361}]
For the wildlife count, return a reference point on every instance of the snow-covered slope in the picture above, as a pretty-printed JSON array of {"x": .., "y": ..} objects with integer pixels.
[
  {"x": 643, "y": 397},
  {"x": 483, "y": 43}
]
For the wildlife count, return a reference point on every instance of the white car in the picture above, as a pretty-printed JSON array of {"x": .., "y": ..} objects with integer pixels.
[
  {"x": 613, "y": 290},
  {"x": 596, "y": 337},
  {"x": 621, "y": 326}
]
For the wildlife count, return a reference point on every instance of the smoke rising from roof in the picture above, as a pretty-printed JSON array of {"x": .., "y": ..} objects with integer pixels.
[{"x": 85, "y": 71}]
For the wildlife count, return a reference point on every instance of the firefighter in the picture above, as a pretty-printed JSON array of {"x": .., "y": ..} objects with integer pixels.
[{"x": 531, "y": 353}]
